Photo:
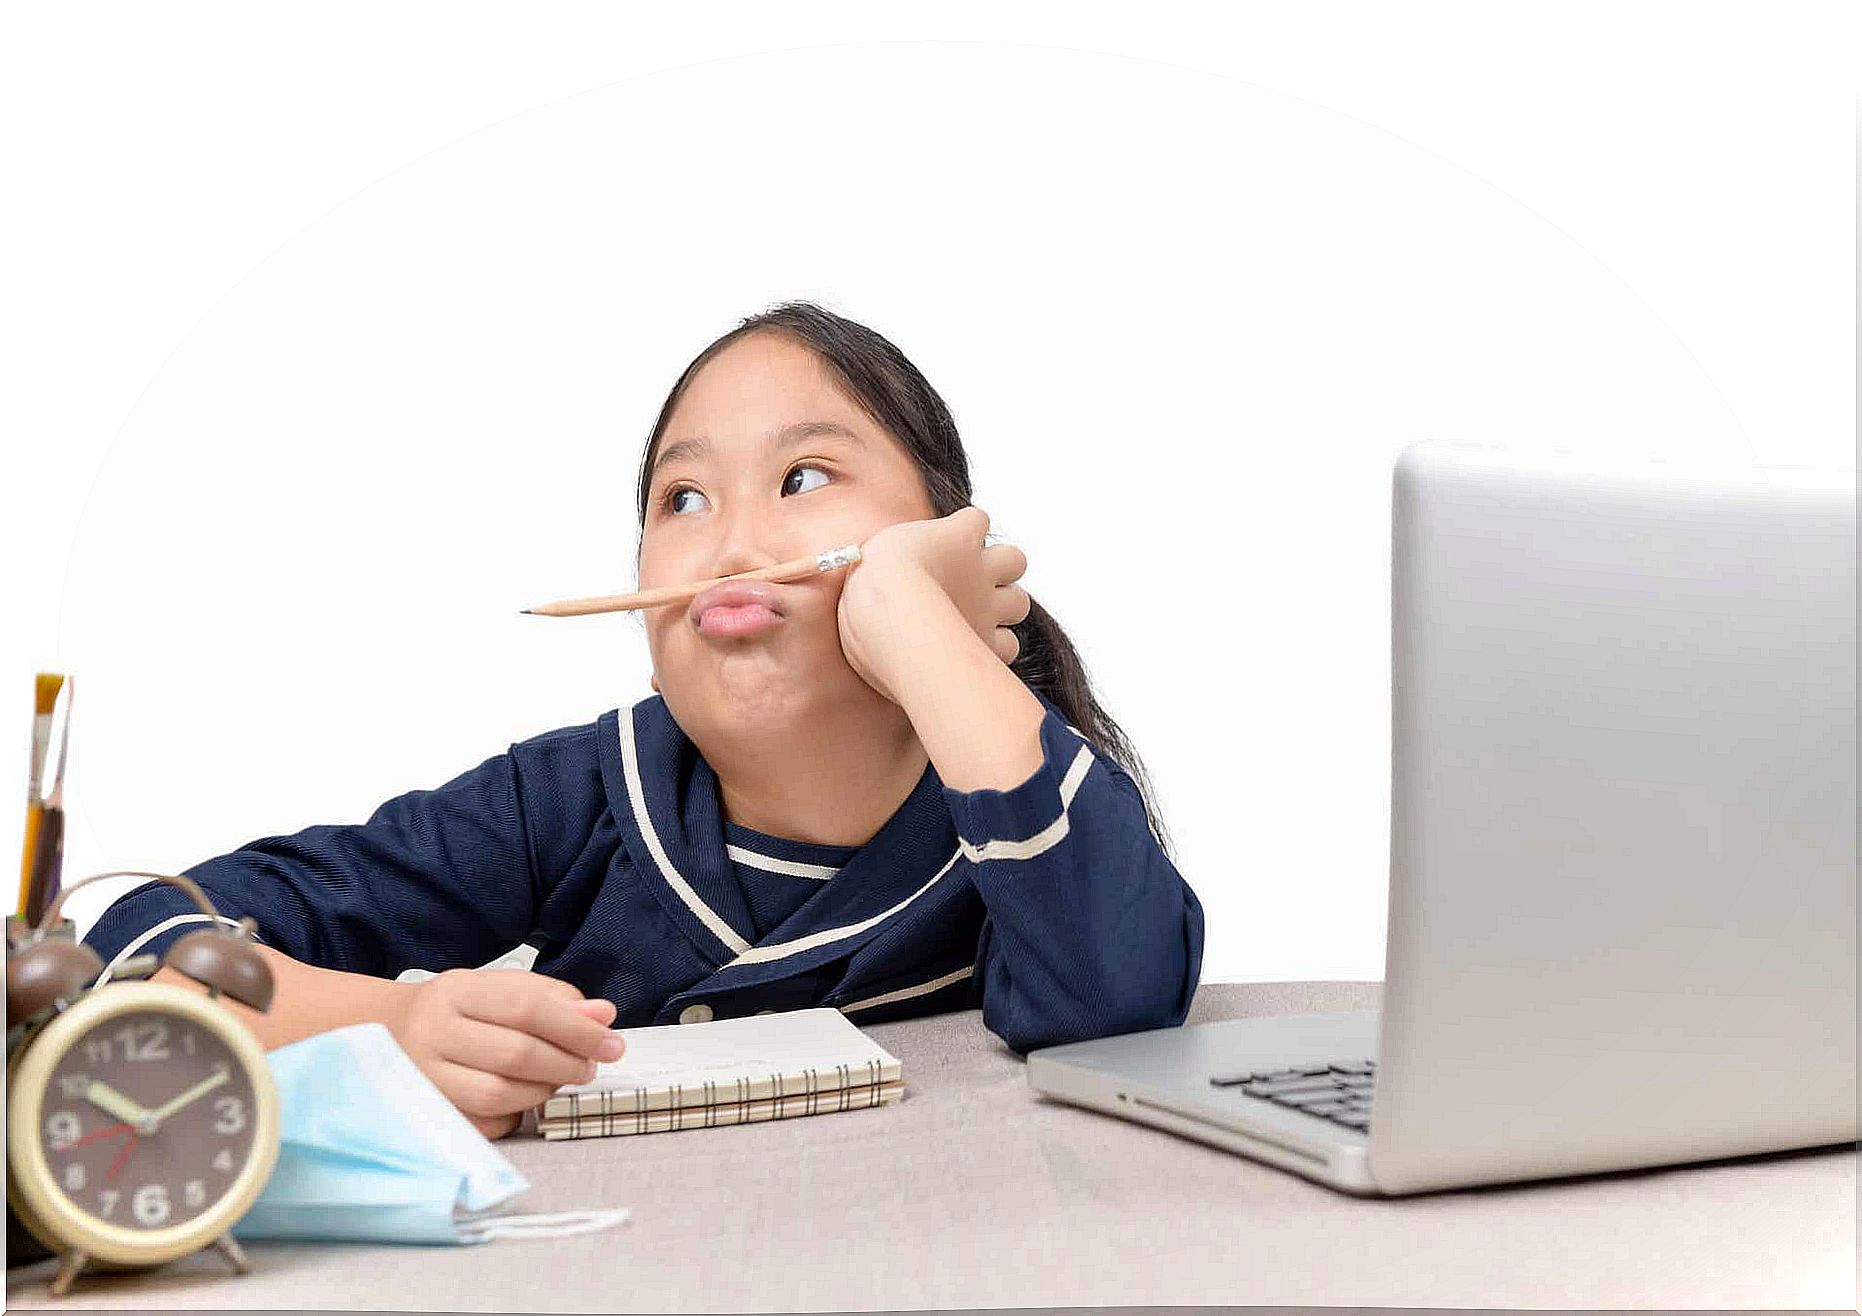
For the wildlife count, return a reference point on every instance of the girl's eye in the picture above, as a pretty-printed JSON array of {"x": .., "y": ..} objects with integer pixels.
[
  {"x": 796, "y": 480},
  {"x": 790, "y": 484}
]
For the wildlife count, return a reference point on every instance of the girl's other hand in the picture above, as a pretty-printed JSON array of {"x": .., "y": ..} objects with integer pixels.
[
  {"x": 911, "y": 566},
  {"x": 499, "y": 1041}
]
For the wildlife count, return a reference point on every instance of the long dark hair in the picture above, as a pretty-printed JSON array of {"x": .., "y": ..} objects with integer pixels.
[{"x": 893, "y": 392}]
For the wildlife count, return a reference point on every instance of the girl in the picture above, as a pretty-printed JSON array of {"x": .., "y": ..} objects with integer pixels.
[{"x": 887, "y": 789}]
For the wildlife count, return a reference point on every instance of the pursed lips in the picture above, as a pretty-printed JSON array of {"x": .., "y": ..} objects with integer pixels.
[{"x": 735, "y": 609}]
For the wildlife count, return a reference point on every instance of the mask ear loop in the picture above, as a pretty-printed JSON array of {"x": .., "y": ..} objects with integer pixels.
[{"x": 549, "y": 1224}]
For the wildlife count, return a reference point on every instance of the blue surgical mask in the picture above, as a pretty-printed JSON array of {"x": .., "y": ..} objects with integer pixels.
[{"x": 372, "y": 1151}]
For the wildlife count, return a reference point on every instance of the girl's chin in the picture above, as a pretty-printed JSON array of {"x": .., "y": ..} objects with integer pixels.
[
  {"x": 751, "y": 707},
  {"x": 762, "y": 682}
]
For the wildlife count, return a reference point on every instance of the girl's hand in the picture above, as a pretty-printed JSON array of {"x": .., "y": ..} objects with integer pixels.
[
  {"x": 499, "y": 1041},
  {"x": 908, "y": 568}
]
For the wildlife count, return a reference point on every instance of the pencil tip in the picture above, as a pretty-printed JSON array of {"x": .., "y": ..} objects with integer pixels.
[{"x": 527, "y": 612}]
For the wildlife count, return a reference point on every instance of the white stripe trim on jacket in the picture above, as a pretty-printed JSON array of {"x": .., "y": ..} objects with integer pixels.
[
  {"x": 771, "y": 864},
  {"x": 906, "y": 993},
  {"x": 630, "y": 766},
  {"x": 784, "y": 949},
  {"x": 1034, "y": 845},
  {"x": 1050, "y": 835}
]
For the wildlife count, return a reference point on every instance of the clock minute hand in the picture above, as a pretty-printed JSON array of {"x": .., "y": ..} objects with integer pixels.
[{"x": 194, "y": 1093}]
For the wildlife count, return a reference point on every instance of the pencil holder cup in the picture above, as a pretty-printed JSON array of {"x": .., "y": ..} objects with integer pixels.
[{"x": 19, "y": 931}]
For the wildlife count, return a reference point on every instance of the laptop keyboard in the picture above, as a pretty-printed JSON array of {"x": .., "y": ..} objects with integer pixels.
[{"x": 1339, "y": 1091}]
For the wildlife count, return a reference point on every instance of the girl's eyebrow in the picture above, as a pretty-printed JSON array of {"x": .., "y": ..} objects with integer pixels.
[{"x": 786, "y": 436}]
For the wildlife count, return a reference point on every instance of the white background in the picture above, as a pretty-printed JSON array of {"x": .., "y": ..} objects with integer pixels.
[{"x": 322, "y": 356}]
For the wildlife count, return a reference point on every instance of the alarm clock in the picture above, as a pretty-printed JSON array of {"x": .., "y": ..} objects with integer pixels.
[{"x": 142, "y": 1119}]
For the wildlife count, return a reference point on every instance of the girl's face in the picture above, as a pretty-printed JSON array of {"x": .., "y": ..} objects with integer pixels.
[{"x": 763, "y": 459}]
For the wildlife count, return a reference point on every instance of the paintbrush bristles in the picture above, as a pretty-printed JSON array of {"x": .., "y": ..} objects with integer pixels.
[{"x": 799, "y": 568}]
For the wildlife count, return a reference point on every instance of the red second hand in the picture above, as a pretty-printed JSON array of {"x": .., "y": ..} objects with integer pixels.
[
  {"x": 104, "y": 1132},
  {"x": 109, "y": 1175}
]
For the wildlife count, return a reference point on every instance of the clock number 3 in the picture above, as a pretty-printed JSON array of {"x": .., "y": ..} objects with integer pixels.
[{"x": 232, "y": 1112}]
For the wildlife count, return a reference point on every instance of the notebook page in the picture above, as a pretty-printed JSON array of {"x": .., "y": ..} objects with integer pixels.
[{"x": 690, "y": 1055}]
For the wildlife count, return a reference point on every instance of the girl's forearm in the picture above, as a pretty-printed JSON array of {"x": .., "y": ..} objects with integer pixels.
[
  {"x": 980, "y": 725},
  {"x": 307, "y": 1000}
]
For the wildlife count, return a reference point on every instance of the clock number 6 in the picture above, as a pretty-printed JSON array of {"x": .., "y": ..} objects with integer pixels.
[{"x": 150, "y": 1204}]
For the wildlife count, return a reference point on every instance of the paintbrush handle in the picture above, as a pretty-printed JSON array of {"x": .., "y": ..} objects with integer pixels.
[
  {"x": 48, "y": 853},
  {"x": 795, "y": 569},
  {"x": 35, "y": 813}
]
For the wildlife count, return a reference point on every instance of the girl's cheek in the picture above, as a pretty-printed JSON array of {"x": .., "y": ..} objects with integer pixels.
[{"x": 659, "y": 633}]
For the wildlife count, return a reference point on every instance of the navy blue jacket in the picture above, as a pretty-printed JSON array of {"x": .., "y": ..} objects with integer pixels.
[{"x": 603, "y": 846}]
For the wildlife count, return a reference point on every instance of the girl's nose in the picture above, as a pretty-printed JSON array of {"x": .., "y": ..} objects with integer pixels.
[{"x": 744, "y": 544}]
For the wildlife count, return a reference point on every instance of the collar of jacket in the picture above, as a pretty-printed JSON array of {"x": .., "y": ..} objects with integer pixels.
[{"x": 664, "y": 796}]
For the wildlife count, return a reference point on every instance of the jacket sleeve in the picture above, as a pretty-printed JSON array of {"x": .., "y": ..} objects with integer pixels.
[
  {"x": 434, "y": 879},
  {"x": 1089, "y": 929}
]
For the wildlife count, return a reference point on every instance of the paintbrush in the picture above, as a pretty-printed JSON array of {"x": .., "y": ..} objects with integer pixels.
[
  {"x": 43, "y": 855},
  {"x": 795, "y": 569}
]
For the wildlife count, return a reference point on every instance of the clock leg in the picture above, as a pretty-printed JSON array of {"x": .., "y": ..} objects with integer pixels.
[
  {"x": 68, "y": 1268},
  {"x": 235, "y": 1255}
]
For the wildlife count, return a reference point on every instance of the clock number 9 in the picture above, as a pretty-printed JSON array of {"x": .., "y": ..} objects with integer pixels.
[{"x": 63, "y": 1129}]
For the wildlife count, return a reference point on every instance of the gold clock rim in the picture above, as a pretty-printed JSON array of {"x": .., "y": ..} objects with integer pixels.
[{"x": 51, "y": 1209}]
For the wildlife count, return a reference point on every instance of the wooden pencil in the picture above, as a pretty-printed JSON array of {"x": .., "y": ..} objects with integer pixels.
[{"x": 795, "y": 569}]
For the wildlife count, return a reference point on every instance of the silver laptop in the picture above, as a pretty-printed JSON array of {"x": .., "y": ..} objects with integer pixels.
[{"x": 1622, "y": 916}]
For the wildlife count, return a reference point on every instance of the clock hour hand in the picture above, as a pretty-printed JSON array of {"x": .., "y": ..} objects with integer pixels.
[
  {"x": 194, "y": 1093},
  {"x": 109, "y": 1100}
]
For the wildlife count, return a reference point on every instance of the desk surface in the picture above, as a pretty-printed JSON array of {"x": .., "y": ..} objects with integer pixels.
[{"x": 974, "y": 1192}]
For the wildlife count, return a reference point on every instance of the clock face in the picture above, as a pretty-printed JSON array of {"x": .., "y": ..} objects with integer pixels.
[{"x": 147, "y": 1120}]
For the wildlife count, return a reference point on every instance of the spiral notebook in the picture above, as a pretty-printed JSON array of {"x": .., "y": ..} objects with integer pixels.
[{"x": 728, "y": 1071}]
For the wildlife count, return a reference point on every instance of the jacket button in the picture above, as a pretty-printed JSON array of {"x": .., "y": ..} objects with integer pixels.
[{"x": 699, "y": 1013}]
